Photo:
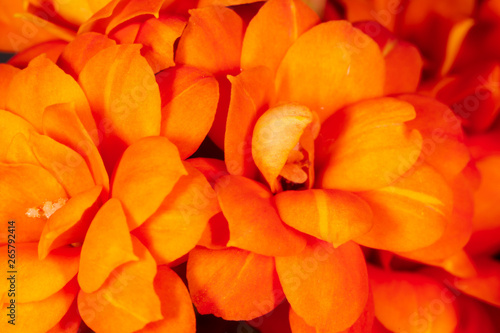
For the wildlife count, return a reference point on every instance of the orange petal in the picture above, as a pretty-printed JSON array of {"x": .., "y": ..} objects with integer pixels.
[
  {"x": 327, "y": 287},
  {"x": 10, "y": 126},
  {"x": 276, "y": 133},
  {"x": 127, "y": 301},
  {"x": 7, "y": 72},
  {"x": 443, "y": 140},
  {"x": 70, "y": 323},
  {"x": 216, "y": 233},
  {"x": 108, "y": 227},
  {"x": 44, "y": 314},
  {"x": 72, "y": 12},
  {"x": 227, "y": 3},
  {"x": 287, "y": 19},
  {"x": 367, "y": 146},
  {"x": 407, "y": 302},
  {"x": 52, "y": 51},
  {"x": 124, "y": 97},
  {"x": 333, "y": 216},
  {"x": 145, "y": 175},
  {"x": 25, "y": 186},
  {"x": 117, "y": 12},
  {"x": 339, "y": 65},
  {"x": 78, "y": 52},
  {"x": 158, "y": 38},
  {"x": 69, "y": 224},
  {"x": 176, "y": 306},
  {"x": 212, "y": 31},
  {"x": 61, "y": 123},
  {"x": 211, "y": 168},
  {"x": 486, "y": 285},
  {"x": 251, "y": 92},
  {"x": 233, "y": 284},
  {"x": 254, "y": 223},
  {"x": 42, "y": 84},
  {"x": 39, "y": 279},
  {"x": 176, "y": 227},
  {"x": 189, "y": 101},
  {"x": 410, "y": 214}
]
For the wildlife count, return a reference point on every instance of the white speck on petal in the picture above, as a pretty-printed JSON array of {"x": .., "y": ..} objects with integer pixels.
[
  {"x": 47, "y": 209},
  {"x": 33, "y": 212}
]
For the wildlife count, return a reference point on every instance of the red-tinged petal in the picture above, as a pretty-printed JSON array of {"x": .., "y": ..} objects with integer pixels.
[
  {"x": 61, "y": 123},
  {"x": 274, "y": 321},
  {"x": 145, "y": 175},
  {"x": 127, "y": 33},
  {"x": 44, "y": 314},
  {"x": 216, "y": 233},
  {"x": 333, "y": 216},
  {"x": 69, "y": 224},
  {"x": 473, "y": 317},
  {"x": 367, "y": 145},
  {"x": 362, "y": 325},
  {"x": 71, "y": 12},
  {"x": 486, "y": 220},
  {"x": 52, "y": 51},
  {"x": 330, "y": 66},
  {"x": 158, "y": 37},
  {"x": 7, "y": 72},
  {"x": 443, "y": 140},
  {"x": 24, "y": 187},
  {"x": 287, "y": 19},
  {"x": 486, "y": 285},
  {"x": 325, "y": 286},
  {"x": 406, "y": 302},
  {"x": 10, "y": 126},
  {"x": 276, "y": 133},
  {"x": 66, "y": 165},
  {"x": 254, "y": 223},
  {"x": 188, "y": 103},
  {"x": 410, "y": 214},
  {"x": 211, "y": 168},
  {"x": 107, "y": 246},
  {"x": 251, "y": 93},
  {"x": 124, "y": 97},
  {"x": 39, "y": 279},
  {"x": 233, "y": 284},
  {"x": 177, "y": 226},
  {"x": 226, "y": 3},
  {"x": 176, "y": 306},
  {"x": 117, "y": 12},
  {"x": 43, "y": 84},
  {"x": 212, "y": 40},
  {"x": 70, "y": 323},
  {"x": 127, "y": 301},
  {"x": 81, "y": 50}
]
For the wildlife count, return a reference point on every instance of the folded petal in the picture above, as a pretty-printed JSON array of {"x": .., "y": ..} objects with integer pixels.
[
  {"x": 44, "y": 314},
  {"x": 216, "y": 233},
  {"x": 410, "y": 214},
  {"x": 254, "y": 223},
  {"x": 69, "y": 224},
  {"x": 39, "y": 279},
  {"x": 251, "y": 93},
  {"x": 127, "y": 301},
  {"x": 78, "y": 52},
  {"x": 486, "y": 285},
  {"x": 333, "y": 216},
  {"x": 124, "y": 97},
  {"x": 212, "y": 40},
  {"x": 43, "y": 84},
  {"x": 158, "y": 37},
  {"x": 325, "y": 286},
  {"x": 70, "y": 323},
  {"x": 339, "y": 65},
  {"x": 145, "y": 175},
  {"x": 10, "y": 126},
  {"x": 176, "y": 306},
  {"x": 233, "y": 284},
  {"x": 176, "y": 227},
  {"x": 52, "y": 51},
  {"x": 408, "y": 302},
  {"x": 98, "y": 260},
  {"x": 287, "y": 19},
  {"x": 211, "y": 168},
  {"x": 367, "y": 145},
  {"x": 7, "y": 72},
  {"x": 24, "y": 189},
  {"x": 189, "y": 101}
]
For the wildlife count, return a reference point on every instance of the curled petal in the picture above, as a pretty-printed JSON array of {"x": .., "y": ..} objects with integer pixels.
[
  {"x": 325, "y": 286},
  {"x": 339, "y": 65},
  {"x": 52, "y": 51},
  {"x": 10, "y": 126},
  {"x": 233, "y": 284}
]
